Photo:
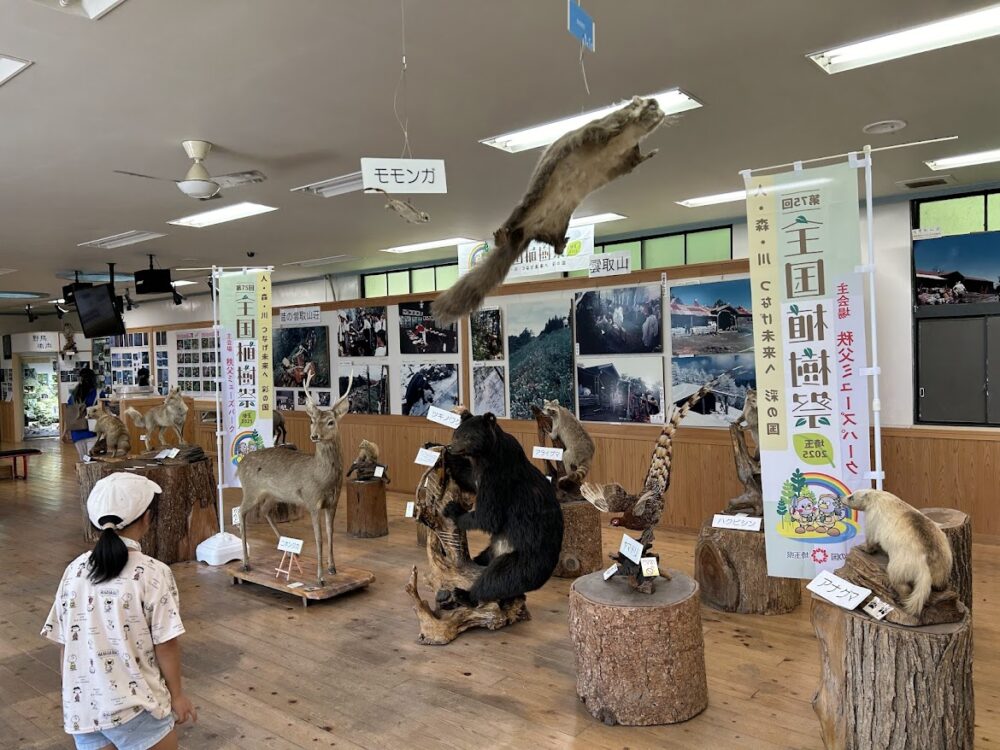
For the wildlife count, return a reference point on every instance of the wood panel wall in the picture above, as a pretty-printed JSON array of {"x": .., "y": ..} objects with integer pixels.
[{"x": 7, "y": 412}]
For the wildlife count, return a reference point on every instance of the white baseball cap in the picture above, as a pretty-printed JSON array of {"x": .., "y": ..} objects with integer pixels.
[{"x": 122, "y": 494}]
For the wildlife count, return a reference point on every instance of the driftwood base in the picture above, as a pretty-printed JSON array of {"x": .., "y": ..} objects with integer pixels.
[
  {"x": 731, "y": 569},
  {"x": 957, "y": 526},
  {"x": 640, "y": 660},
  {"x": 421, "y": 535},
  {"x": 441, "y": 627},
  {"x": 186, "y": 514},
  {"x": 869, "y": 571},
  {"x": 366, "y": 509},
  {"x": 890, "y": 687},
  {"x": 581, "y": 546},
  {"x": 301, "y": 584}
]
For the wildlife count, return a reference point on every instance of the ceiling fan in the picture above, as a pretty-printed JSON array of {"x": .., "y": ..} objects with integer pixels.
[{"x": 198, "y": 183}]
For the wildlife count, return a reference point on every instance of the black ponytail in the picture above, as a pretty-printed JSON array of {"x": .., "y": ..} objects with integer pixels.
[{"x": 110, "y": 553}]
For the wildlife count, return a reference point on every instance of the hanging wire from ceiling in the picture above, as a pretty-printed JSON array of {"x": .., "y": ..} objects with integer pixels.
[
  {"x": 583, "y": 66},
  {"x": 404, "y": 121}
]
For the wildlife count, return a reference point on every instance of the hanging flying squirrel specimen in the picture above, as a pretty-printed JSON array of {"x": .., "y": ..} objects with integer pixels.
[{"x": 568, "y": 171}]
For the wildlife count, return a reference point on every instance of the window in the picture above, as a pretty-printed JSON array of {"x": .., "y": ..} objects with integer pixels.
[
  {"x": 698, "y": 246},
  {"x": 409, "y": 280},
  {"x": 709, "y": 245},
  {"x": 954, "y": 215},
  {"x": 661, "y": 252}
]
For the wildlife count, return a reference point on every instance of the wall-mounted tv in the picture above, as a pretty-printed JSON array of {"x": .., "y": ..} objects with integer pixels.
[{"x": 99, "y": 315}]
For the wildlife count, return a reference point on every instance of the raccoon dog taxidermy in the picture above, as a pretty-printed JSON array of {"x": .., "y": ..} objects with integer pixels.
[
  {"x": 919, "y": 553},
  {"x": 110, "y": 429},
  {"x": 569, "y": 170}
]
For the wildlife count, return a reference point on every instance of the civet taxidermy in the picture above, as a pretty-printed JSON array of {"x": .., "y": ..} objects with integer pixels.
[
  {"x": 568, "y": 171},
  {"x": 274, "y": 475}
]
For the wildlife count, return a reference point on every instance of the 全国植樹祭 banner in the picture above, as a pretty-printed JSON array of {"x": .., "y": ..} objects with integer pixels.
[
  {"x": 245, "y": 337},
  {"x": 810, "y": 352}
]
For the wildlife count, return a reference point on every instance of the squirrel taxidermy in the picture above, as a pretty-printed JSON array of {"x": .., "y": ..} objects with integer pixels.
[{"x": 569, "y": 170}]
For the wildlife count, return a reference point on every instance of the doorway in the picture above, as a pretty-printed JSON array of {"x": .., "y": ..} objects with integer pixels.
[{"x": 40, "y": 397}]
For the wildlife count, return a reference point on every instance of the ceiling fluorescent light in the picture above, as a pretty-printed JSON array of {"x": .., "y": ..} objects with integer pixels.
[
  {"x": 182, "y": 282},
  {"x": 10, "y": 67},
  {"x": 967, "y": 27},
  {"x": 450, "y": 242},
  {"x": 220, "y": 215},
  {"x": 120, "y": 240},
  {"x": 346, "y": 183},
  {"x": 741, "y": 195},
  {"x": 59, "y": 301},
  {"x": 964, "y": 160},
  {"x": 90, "y": 9},
  {"x": 672, "y": 102},
  {"x": 584, "y": 221},
  {"x": 319, "y": 261}
]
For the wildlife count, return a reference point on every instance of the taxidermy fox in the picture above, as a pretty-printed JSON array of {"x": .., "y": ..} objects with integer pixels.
[
  {"x": 569, "y": 170},
  {"x": 171, "y": 413}
]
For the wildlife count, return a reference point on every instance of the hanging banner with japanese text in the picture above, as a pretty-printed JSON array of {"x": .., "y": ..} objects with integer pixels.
[
  {"x": 245, "y": 355},
  {"x": 809, "y": 349},
  {"x": 538, "y": 258}
]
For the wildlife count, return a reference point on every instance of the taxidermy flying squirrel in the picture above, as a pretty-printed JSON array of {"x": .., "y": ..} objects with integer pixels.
[
  {"x": 919, "y": 553},
  {"x": 568, "y": 171}
]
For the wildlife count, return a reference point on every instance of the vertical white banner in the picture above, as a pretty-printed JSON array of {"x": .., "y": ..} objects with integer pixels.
[
  {"x": 810, "y": 350},
  {"x": 245, "y": 341}
]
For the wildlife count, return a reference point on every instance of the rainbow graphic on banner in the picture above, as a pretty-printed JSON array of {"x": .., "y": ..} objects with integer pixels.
[
  {"x": 814, "y": 510},
  {"x": 245, "y": 442}
]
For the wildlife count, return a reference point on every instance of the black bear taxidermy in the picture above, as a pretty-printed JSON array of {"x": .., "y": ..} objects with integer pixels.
[{"x": 515, "y": 504}]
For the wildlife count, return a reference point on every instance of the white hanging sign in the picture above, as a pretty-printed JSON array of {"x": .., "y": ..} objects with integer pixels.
[
  {"x": 538, "y": 258},
  {"x": 404, "y": 175},
  {"x": 617, "y": 263},
  {"x": 837, "y": 591},
  {"x": 299, "y": 316}
]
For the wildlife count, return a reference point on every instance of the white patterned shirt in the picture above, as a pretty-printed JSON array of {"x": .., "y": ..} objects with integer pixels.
[{"x": 108, "y": 630}]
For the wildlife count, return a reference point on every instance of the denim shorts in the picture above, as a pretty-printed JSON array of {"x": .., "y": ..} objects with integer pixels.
[{"x": 140, "y": 733}]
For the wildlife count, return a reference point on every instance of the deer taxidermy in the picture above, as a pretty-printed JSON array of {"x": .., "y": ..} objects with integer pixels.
[{"x": 280, "y": 475}]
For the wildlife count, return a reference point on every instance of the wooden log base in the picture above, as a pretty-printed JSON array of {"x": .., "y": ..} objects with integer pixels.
[
  {"x": 731, "y": 569},
  {"x": 366, "y": 508},
  {"x": 869, "y": 571},
  {"x": 581, "y": 545},
  {"x": 186, "y": 514},
  {"x": 440, "y": 627},
  {"x": 262, "y": 573},
  {"x": 957, "y": 526},
  {"x": 891, "y": 687},
  {"x": 640, "y": 660}
]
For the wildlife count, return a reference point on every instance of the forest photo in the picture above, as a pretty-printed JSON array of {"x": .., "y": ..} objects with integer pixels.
[{"x": 540, "y": 355}]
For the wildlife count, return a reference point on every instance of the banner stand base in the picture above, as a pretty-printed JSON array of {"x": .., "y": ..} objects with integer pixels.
[{"x": 220, "y": 549}]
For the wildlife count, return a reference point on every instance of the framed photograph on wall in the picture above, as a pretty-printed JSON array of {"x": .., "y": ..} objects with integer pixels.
[
  {"x": 625, "y": 320},
  {"x": 419, "y": 333}
]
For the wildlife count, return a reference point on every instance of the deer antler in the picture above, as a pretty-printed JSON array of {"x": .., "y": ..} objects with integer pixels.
[
  {"x": 310, "y": 404},
  {"x": 347, "y": 391}
]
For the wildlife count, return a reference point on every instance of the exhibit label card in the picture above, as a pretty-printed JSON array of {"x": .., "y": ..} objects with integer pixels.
[
  {"x": 650, "y": 567},
  {"x": 379, "y": 471},
  {"x": 236, "y": 516},
  {"x": 631, "y": 548},
  {"x": 547, "y": 454},
  {"x": 426, "y": 457},
  {"x": 404, "y": 175},
  {"x": 411, "y": 508},
  {"x": 617, "y": 263},
  {"x": 290, "y": 544},
  {"x": 738, "y": 523},
  {"x": 445, "y": 417},
  {"x": 878, "y": 608},
  {"x": 610, "y": 571},
  {"x": 837, "y": 591},
  {"x": 299, "y": 316}
]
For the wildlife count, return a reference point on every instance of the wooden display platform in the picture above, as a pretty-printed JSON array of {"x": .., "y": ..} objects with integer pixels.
[
  {"x": 186, "y": 514},
  {"x": 957, "y": 526},
  {"x": 640, "y": 658},
  {"x": 367, "y": 516},
  {"x": 263, "y": 574},
  {"x": 581, "y": 544}
]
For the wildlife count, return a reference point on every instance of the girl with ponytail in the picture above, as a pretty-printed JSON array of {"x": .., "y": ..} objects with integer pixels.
[{"x": 126, "y": 606}]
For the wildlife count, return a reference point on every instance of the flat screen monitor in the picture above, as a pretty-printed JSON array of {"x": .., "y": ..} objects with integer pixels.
[{"x": 99, "y": 315}]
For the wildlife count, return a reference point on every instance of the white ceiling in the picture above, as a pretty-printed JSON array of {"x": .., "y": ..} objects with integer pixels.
[{"x": 301, "y": 89}]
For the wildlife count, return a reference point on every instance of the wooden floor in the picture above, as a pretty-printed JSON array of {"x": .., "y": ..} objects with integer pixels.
[{"x": 266, "y": 673}]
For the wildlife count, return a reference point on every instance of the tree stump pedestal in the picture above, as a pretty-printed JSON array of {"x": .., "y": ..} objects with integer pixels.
[
  {"x": 581, "y": 545},
  {"x": 640, "y": 659},
  {"x": 890, "y": 686},
  {"x": 367, "y": 516},
  {"x": 957, "y": 526},
  {"x": 731, "y": 569},
  {"x": 186, "y": 513}
]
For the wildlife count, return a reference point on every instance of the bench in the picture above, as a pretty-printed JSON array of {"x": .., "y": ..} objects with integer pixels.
[{"x": 23, "y": 454}]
